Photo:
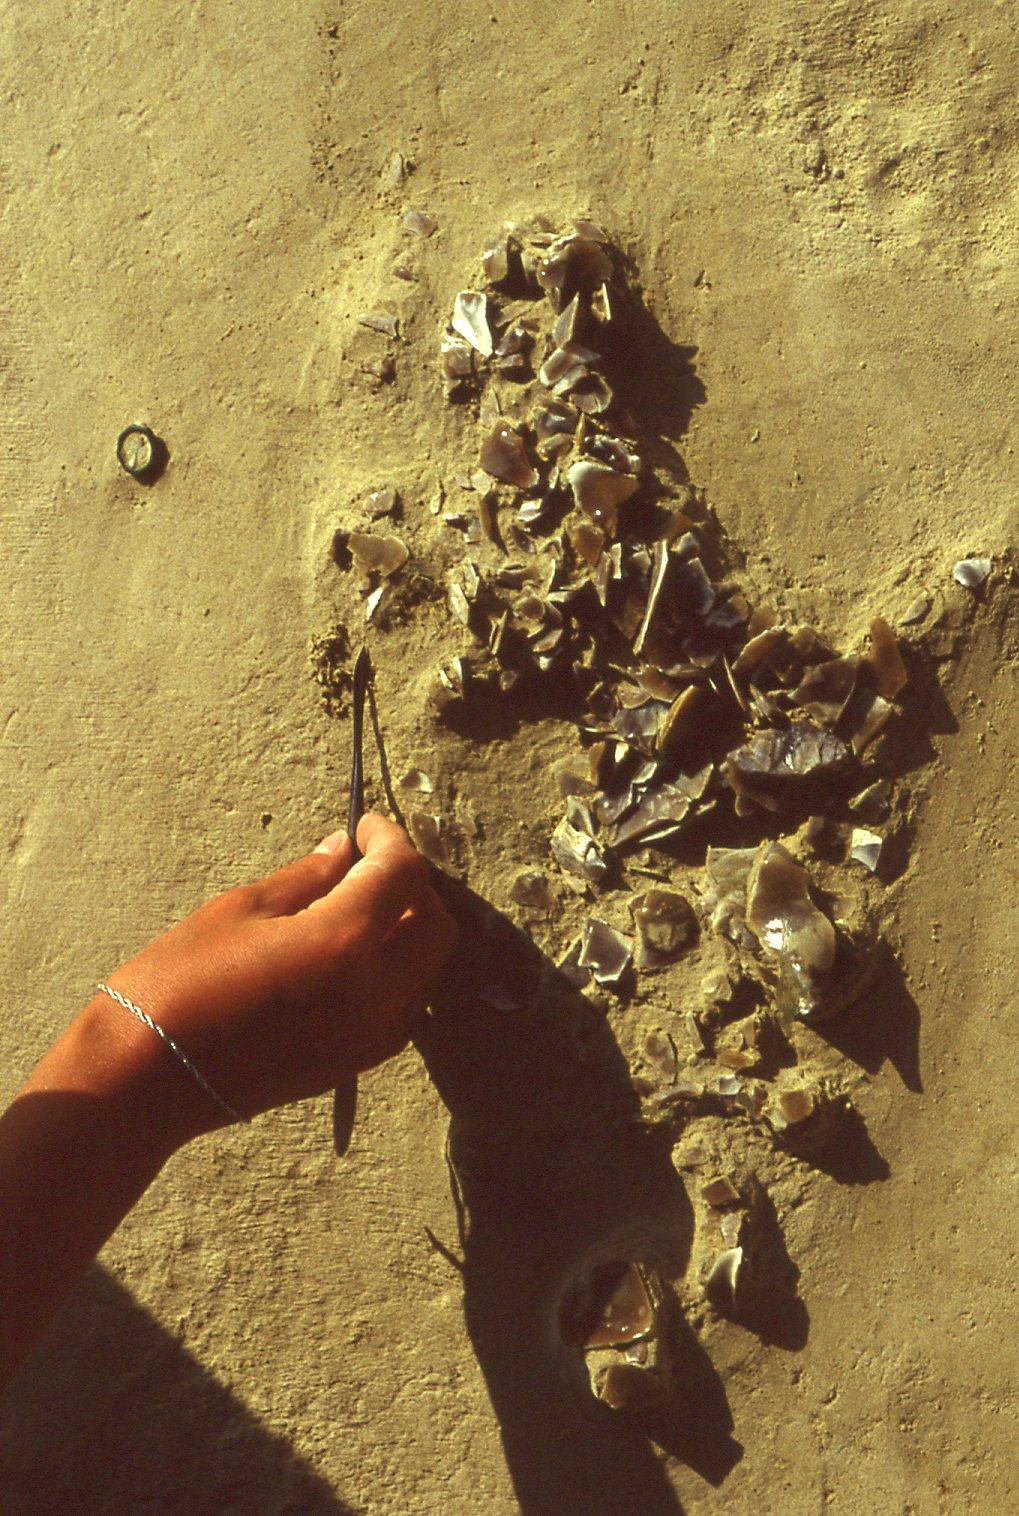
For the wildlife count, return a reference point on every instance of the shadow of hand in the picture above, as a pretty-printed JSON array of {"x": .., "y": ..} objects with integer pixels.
[{"x": 555, "y": 1174}]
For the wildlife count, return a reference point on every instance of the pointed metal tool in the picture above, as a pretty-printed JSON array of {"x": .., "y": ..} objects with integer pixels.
[{"x": 345, "y": 1097}]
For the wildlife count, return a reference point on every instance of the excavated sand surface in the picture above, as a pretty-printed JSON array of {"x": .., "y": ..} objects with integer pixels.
[{"x": 820, "y": 202}]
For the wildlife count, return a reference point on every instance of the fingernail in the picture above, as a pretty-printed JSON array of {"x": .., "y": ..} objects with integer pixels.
[{"x": 332, "y": 843}]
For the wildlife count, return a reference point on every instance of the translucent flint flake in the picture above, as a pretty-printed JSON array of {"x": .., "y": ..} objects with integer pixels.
[
  {"x": 426, "y": 834},
  {"x": 592, "y": 395},
  {"x": 606, "y": 952},
  {"x": 599, "y": 491},
  {"x": 825, "y": 688},
  {"x": 566, "y": 366},
  {"x": 677, "y": 723},
  {"x": 638, "y": 725},
  {"x": 624, "y": 1315},
  {"x": 758, "y": 647},
  {"x": 572, "y": 264},
  {"x": 457, "y": 359},
  {"x": 376, "y": 554},
  {"x": 797, "y": 937},
  {"x": 865, "y": 847},
  {"x": 380, "y": 321},
  {"x": 420, "y": 223},
  {"x": 869, "y": 714},
  {"x": 568, "y": 324},
  {"x": 723, "y": 1281},
  {"x": 554, "y": 418},
  {"x": 885, "y": 660},
  {"x": 495, "y": 260},
  {"x": 504, "y": 456},
  {"x": 692, "y": 593},
  {"x": 665, "y": 927},
  {"x": 417, "y": 781},
  {"x": 971, "y": 572},
  {"x": 915, "y": 611},
  {"x": 577, "y": 853},
  {"x": 725, "y": 897},
  {"x": 612, "y": 451},
  {"x": 531, "y": 890},
  {"x": 515, "y": 339},
  {"x": 775, "y": 764},
  {"x": 661, "y": 812},
  {"x": 470, "y": 321}
]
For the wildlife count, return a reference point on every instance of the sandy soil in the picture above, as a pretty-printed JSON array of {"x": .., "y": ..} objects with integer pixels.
[{"x": 821, "y": 204}]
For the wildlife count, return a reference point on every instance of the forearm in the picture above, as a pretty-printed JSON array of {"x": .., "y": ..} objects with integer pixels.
[
  {"x": 278, "y": 991},
  {"x": 82, "y": 1141}
]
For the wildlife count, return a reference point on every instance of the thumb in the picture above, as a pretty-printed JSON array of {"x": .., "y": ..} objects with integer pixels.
[{"x": 294, "y": 887}]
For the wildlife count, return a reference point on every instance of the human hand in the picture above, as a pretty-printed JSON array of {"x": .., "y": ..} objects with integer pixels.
[{"x": 290, "y": 986}]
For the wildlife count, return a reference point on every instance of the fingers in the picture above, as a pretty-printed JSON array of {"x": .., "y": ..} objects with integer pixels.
[
  {"x": 417, "y": 949},
  {"x": 374, "y": 831},
  {"x": 390, "y": 880},
  {"x": 296, "y": 885}
]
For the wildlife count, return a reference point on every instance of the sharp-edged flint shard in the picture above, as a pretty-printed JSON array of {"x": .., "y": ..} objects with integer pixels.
[
  {"x": 725, "y": 897},
  {"x": 457, "y": 359},
  {"x": 568, "y": 324},
  {"x": 971, "y": 572},
  {"x": 869, "y": 714},
  {"x": 572, "y": 264},
  {"x": 504, "y": 456},
  {"x": 417, "y": 781},
  {"x": 427, "y": 835},
  {"x": 659, "y": 570},
  {"x": 599, "y": 491},
  {"x": 606, "y": 952},
  {"x": 797, "y": 936},
  {"x": 470, "y": 321},
  {"x": 774, "y": 764},
  {"x": 419, "y": 222},
  {"x": 677, "y": 723},
  {"x": 380, "y": 321},
  {"x": 865, "y": 848},
  {"x": 885, "y": 660},
  {"x": 377, "y": 555},
  {"x": 826, "y": 687},
  {"x": 626, "y": 1316},
  {"x": 665, "y": 926},
  {"x": 638, "y": 725},
  {"x": 577, "y": 853},
  {"x": 758, "y": 647},
  {"x": 495, "y": 260},
  {"x": 723, "y": 1281},
  {"x": 530, "y": 889},
  {"x": 661, "y": 812}
]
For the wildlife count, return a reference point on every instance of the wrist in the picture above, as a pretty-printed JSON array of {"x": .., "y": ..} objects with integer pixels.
[{"x": 123, "y": 1066}]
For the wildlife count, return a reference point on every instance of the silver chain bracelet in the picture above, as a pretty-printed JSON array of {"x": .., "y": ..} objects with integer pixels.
[{"x": 175, "y": 1049}]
